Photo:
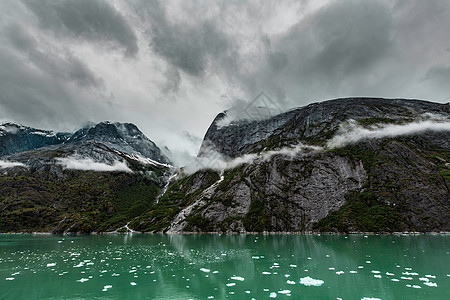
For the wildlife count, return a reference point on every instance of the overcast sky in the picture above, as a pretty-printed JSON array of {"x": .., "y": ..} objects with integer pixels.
[{"x": 171, "y": 66}]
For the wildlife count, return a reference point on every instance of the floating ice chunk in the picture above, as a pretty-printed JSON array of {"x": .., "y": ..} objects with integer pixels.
[
  {"x": 424, "y": 279},
  {"x": 210, "y": 297},
  {"x": 370, "y": 298},
  {"x": 293, "y": 266},
  {"x": 430, "y": 276},
  {"x": 10, "y": 278},
  {"x": 266, "y": 273},
  {"x": 215, "y": 272},
  {"x": 339, "y": 272},
  {"x": 82, "y": 280},
  {"x": 308, "y": 281},
  {"x": 417, "y": 286},
  {"x": 106, "y": 287},
  {"x": 290, "y": 282},
  {"x": 205, "y": 270},
  {"x": 353, "y": 272},
  {"x": 284, "y": 292},
  {"x": 51, "y": 264},
  {"x": 14, "y": 274},
  {"x": 389, "y": 274},
  {"x": 377, "y": 276},
  {"x": 238, "y": 278},
  {"x": 430, "y": 283},
  {"x": 410, "y": 274},
  {"x": 255, "y": 257},
  {"x": 133, "y": 283},
  {"x": 247, "y": 292},
  {"x": 368, "y": 262},
  {"x": 375, "y": 272},
  {"x": 309, "y": 258},
  {"x": 332, "y": 269},
  {"x": 273, "y": 295},
  {"x": 231, "y": 284}
]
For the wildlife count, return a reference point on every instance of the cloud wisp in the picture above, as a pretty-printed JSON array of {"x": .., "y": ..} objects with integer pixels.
[
  {"x": 88, "y": 164},
  {"x": 215, "y": 161},
  {"x": 10, "y": 164},
  {"x": 351, "y": 132}
]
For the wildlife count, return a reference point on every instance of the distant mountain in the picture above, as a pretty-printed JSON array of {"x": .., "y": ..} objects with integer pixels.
[
  {"x": 15, "y": 138},
  {"x": 97, "y": 179},
  {"x": 123, "y": 137}
]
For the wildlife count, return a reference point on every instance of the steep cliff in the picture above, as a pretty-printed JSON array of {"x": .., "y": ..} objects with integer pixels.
[{"x": 382, "y": 166}]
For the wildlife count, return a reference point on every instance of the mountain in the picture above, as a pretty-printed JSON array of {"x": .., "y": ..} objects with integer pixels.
[
  {"x": 15, "y": 138},
  {"x": 123, "y": 137},
  {"x": 345, "y": 165},
  {"x": 96, "y": 179}
]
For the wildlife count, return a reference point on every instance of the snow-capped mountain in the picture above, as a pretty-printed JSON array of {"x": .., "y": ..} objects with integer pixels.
[
  {"x": 15, "y": 138},
  {"x": 125, "y": 138}
]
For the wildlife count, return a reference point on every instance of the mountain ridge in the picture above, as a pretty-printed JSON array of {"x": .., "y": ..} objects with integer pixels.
[{"x": 390, "y": 172}]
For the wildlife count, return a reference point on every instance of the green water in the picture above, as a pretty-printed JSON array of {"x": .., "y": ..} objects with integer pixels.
[{"x": 159, "y": 266}]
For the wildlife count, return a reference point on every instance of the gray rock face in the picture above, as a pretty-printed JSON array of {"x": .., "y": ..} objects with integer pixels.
[
  {"x": 389, "y": 184},
  {"x": 316, "y": 121},
  {"x": 124, "y": 137},
  {"x": 282, "y": 194}
]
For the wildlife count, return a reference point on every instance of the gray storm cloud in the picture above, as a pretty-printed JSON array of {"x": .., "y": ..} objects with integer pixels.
[
  {"x": 96, "y": 21},
  {"x": 171, "y": 66}
]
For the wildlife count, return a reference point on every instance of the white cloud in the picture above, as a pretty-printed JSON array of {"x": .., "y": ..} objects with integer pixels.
[
  {"x": 214, "y": 160},
  {"x": 10, "y": 164},
  {"x": 88, "y": 164},
  {"x": 351, "y": 132}
]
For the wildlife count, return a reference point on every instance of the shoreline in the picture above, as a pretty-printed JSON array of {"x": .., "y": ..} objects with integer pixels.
[{"x": 229, "y": 233}]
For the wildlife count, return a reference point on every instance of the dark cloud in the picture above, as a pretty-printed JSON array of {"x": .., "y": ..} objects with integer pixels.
[
  {"x": 56, "y": 67},
  {"x": 190, "y": 49},
  {"x": 326, "y": 54},
  {"x": 60, "y": 66},
  {"x": 93, "y": 20},
  {"x": 29, "y": 97}
]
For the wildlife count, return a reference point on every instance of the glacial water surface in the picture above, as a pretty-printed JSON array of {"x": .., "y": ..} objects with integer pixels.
[{"x": 208, "y": 266}]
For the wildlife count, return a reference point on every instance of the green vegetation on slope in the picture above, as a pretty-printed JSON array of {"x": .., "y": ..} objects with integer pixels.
[{"x": 83, "y": 201}]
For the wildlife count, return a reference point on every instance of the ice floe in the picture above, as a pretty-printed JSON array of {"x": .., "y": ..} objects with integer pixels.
[{"x": 308, "y": 281}]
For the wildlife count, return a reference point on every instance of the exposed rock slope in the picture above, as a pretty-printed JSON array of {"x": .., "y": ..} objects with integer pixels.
[{"x": 394, "y": 183}]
